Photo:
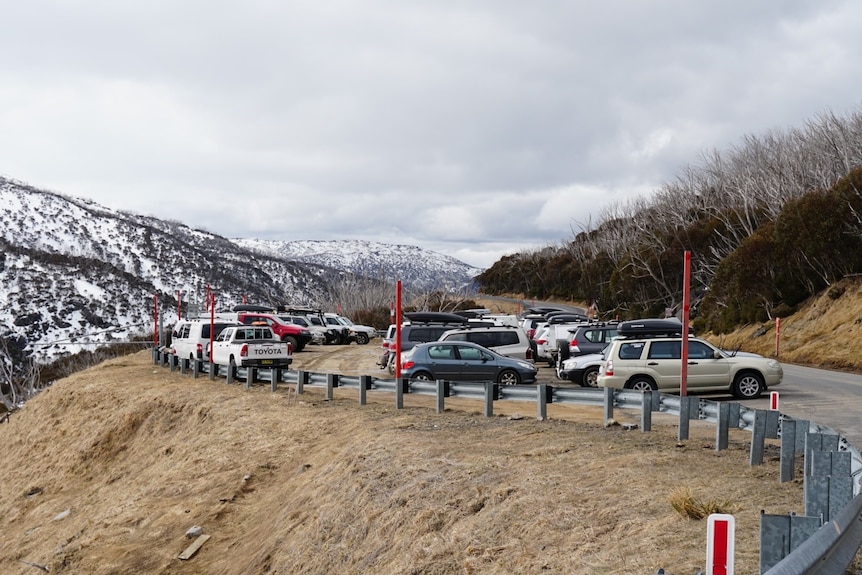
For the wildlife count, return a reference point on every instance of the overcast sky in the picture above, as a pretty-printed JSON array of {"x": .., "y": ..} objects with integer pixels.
[{"x": 475, "y": 128}]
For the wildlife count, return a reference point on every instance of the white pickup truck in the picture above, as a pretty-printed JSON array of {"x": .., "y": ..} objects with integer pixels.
[{"x": 250, "y": 346}]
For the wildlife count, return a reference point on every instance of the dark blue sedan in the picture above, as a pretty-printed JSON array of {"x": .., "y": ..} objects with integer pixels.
[{"x": 464, "y": 361}]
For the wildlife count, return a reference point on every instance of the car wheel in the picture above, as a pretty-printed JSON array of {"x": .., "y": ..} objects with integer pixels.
[
  {"x": 563, "y": 350},
  {"x": 591, "y": 376},
  {"x": 232, "y": 368},
  {"x": 748, "y": 385},
  {"x": 642, "y": 384},
  {"x": 361, "y": 338},
  {"x": 509, "y": 377},
  {"x": 423, "y": 376},
  {"x": 294, "y": 345}
]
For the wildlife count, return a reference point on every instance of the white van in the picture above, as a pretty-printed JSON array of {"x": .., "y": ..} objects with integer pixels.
[{"x": 190, "y": 337}]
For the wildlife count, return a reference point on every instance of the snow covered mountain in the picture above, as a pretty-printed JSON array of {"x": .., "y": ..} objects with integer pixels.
[
  {"x": 420, "y": 269},
  {"x": 74, "y": 274}
]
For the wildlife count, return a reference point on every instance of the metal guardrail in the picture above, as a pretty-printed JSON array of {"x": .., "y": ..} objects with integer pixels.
[{"x": 829, "y": 551}]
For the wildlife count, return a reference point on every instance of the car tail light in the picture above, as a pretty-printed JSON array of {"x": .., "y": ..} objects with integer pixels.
[
  {"x": 609, "y": 368},
  {"x": 289, "y": 348},
  {"x": 408, "y": 364},
  {"x": 199, "y": 350},
  {"x": 531, "y": 333},
  {"x": 243, "y": 352},
  {"x": 541, "y": 341},
  {"x": 529, "y": 355}
]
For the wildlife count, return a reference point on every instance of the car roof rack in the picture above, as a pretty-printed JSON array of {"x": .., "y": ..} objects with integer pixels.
[{"x": 651, "y": 328}]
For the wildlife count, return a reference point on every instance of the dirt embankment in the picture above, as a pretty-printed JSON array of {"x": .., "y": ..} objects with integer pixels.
[{"x": 106, "y": 472}]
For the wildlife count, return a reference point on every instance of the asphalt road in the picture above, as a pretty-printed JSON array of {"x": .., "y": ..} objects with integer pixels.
[{"x": 830, "y": 398}]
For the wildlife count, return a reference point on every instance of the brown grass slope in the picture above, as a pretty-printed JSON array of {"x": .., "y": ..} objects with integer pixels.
[
  {"x": 137, "y": 455},
  {"x": 105, "y": 472}
]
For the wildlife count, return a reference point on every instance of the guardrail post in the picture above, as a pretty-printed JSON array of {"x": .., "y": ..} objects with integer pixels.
[
  {"x": 155, "y": 356},
  {"x": 684, "y": 416},
  {"x": 274, "y": 378},
  {"x": 758, "y": 438},
  {"x": 249, "y": 376},
  {"x": 172, "y": 362},
  {"x": 331, "y": 383},
  {"x": 772, "y": 423},
  {"x": 646, "y": 410},
  {"x": 722, "y": 426},
  {"x": 184, "y": 363},
  {"x": 196, "y": 368},
  {"x": 400, "y": 386},
  {"x": 229, "y": 377},
  {"x": 301, "y": 381},
  {"x": 608, "y": 404},
  {"x": 788, "y": 450},
  {"x": 212, "y": 371},
  {"x": 543, "y": 395},
  {"x": 781, "y": 534},
  {"x": 364, "y": 386},
  {"x": 442, "y": 393},
  {"x": 489, "y": 398}
]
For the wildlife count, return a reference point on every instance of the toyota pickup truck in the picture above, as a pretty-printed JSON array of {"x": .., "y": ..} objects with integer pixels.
[{"x": 250, "y": 346}]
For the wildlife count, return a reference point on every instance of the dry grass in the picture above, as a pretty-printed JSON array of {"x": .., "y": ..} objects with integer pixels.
[
  {"x": 137, "y": 455},
  {"x": 687, "y": 505}
]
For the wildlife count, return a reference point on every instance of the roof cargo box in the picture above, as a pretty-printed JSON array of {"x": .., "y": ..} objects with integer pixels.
[
  {"x": 434, "y": 317},
  {"x": 651, "y": 327}
]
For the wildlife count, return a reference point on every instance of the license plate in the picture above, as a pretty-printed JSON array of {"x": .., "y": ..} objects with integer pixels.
[{"x": 266, "y": 362}]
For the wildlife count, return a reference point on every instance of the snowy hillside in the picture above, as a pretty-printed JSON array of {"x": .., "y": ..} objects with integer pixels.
[
  {"x": 418, "y": 268},
  {"x": 74, "y": 274}
]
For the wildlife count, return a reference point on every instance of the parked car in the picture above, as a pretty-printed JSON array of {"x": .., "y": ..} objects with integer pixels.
[
  {"x": 587, "y": 338},
  {"x": 318, "y": 333},
  {"x": 647, "y": 356},
  {"x": 581, "y": 369},
  {"x": 464, "y": 361},
  {"x": 189, "y": 337},
  {"x": 503, "y": 339},
  {"x": 361, "y": 334}
]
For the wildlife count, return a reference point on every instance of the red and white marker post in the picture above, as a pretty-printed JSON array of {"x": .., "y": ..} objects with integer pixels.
[
  {"x": 720, "y": 533},
  {"x": 773, "y": 401}
]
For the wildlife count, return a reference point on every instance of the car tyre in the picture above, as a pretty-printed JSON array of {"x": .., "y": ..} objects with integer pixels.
[
  {"x": 591, "y": 376},
  {"x": 509, "y": 377},
  {"x": 294, "y": 345},
  {"x": 232, "y": 368},
  {"x": 362, "y": 338},
  {"x": 642, "y": 383},
  {"x": 423, "y": 376},
  {"x": 563, "y": 351},
  {"x": 748, "y": 385}
]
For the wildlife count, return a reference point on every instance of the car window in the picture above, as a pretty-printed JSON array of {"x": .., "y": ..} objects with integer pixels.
[
  {"x": 594, "y": 335},
  {"x": 457, "y": 337},
  {"x": 441, "y": 352},
  {"x": 631, "y": 350},
  {"x": 665, "y": 350},
  {"x": 469, "y": 353},
  {"x": 699, "y": 350}
]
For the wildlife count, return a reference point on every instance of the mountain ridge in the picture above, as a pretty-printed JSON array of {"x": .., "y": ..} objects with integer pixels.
[{"x": 74, "y": 274}]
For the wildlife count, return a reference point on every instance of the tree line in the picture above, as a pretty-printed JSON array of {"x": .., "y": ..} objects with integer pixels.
[{"x": 769, "y": 222}]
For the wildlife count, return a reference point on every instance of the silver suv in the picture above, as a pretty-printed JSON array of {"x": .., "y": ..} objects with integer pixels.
[
  {"x": 506, "y": 340},
  {"x": 647, "y": 356}
]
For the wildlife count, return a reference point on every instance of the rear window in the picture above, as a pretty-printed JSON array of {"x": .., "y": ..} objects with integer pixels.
[
  {"x": 205, "y": 329},
  {"x": 631, "y": 350}
]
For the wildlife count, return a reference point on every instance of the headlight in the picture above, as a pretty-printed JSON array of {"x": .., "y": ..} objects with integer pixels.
[{"x": 773, "y": 364}]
